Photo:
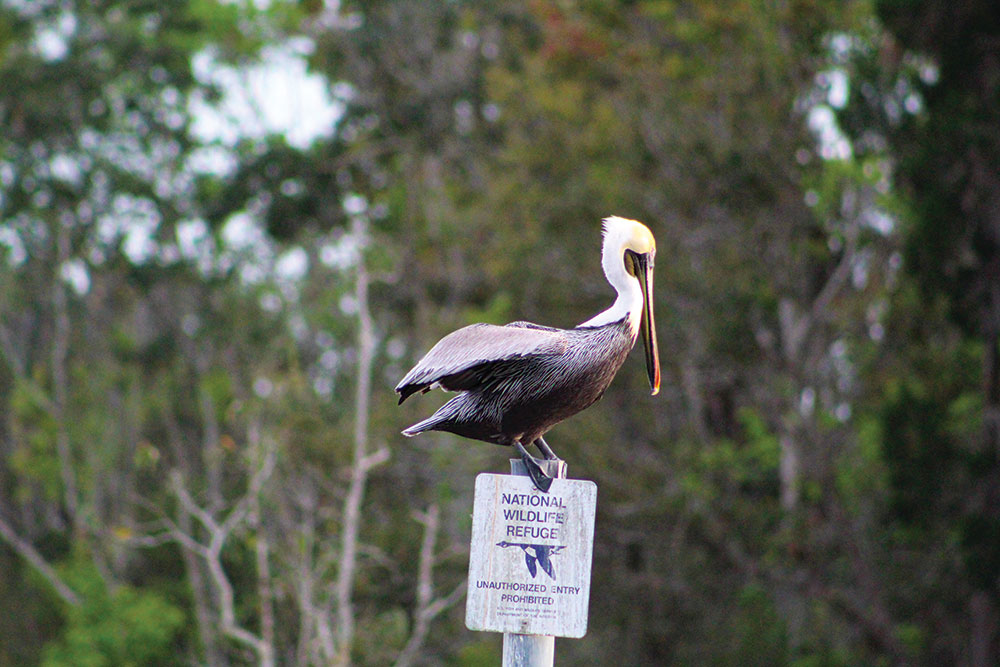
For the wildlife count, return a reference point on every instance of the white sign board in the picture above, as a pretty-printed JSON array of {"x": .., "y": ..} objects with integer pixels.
[{"x": 529, "y": 567}]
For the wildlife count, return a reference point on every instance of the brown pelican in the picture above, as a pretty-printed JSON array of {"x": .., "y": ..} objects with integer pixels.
[{"x": 519, "y": 380}]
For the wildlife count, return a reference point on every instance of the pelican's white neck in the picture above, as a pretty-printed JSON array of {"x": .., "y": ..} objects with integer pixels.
[{"x": 628, "y": 304}]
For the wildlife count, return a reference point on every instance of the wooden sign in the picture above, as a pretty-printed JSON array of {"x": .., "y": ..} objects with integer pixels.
[{"x": 529, "y": 567}]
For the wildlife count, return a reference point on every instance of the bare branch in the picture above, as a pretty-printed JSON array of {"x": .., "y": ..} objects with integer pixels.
[
  {"x": 796, "y": 326},
  {"x": 257, "y": 481},
  {"x": 425, "y": 584},
  {"x": 211, "y": 553},
  {"x": 443, "y": 604},
  {"x": 188, "y": 503},
  {"x": 362, "y": 461},
  {"x": 265, "y": 592},
  {"x": 229, "y": 626},
  {"x": 60, "y": 383},
  {"x": 35, "y": 559},
  {"x": 164, "y": 529},
  {"x": 375, "y": 459},
  {"x": 427, "y": 607}
]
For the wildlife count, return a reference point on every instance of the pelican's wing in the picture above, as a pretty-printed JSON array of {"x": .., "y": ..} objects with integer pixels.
[{"x": 463, "y": 358}]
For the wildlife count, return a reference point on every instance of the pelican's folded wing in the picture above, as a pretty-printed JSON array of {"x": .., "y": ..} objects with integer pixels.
[{"x": 463, "y": 358}]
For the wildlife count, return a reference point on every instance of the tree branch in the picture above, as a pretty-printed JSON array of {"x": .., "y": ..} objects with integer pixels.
[
  {"x": 211, "y": 553},
  {"x": 427, "y": 607},
  {"x": 60, "y": 382},
  {"x": 362, "y": 461},
  {"x": 37, "y": 561}
]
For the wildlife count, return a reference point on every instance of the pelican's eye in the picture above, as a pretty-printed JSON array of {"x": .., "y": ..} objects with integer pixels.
[{"x": 630, "y": 263}]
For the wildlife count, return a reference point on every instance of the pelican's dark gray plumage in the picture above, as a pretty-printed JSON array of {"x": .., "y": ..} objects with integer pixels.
[{"x": 518, "y": 381}]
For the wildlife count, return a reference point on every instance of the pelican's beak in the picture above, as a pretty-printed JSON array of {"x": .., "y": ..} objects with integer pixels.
[{"x": 644, "y": 273}]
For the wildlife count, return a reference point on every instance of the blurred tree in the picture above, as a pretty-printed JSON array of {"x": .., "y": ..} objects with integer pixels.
[
  {"x": 942, "y": 417},
  {"x": 694, "y": 117},
  {"x": 93, "y": 157}
]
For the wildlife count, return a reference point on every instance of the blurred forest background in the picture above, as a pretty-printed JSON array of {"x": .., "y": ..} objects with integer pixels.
[{"x": 202, "y": 318}]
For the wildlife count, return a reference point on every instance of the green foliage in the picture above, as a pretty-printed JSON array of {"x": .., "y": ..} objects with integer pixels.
[
  {"x": 123, "y": 626},
  {"x": 759, "y": 634},
  {"x": 481, "y": 653},
  {"x": 35, "y": 459},
  {"x": 383, "y": 637},
  {"x": 23, "y": 634}
]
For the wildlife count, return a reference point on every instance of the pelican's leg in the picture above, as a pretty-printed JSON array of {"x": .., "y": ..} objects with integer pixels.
[
  {"x": 544, "y": 448},
  {"x": 541, "y": 480}
]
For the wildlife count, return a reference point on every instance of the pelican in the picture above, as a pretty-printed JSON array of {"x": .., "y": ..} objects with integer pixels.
[{"x": 517, "y": 381}]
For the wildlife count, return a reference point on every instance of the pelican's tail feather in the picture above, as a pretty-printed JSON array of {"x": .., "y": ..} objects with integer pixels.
[
  {"x": 425, "y": 425},
  {"x": 442, "y": 420}
]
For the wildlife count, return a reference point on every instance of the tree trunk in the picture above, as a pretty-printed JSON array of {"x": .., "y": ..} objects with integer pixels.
[{"x": 361, "y": 464}]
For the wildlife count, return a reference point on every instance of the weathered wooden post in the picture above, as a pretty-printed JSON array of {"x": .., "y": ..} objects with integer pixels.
[
  {"x": 529, "y": 566},
  {"x": 531, "y": 650}
]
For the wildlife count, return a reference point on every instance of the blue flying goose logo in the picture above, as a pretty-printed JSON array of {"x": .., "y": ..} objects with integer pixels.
[{"x": 536, "y": 555}]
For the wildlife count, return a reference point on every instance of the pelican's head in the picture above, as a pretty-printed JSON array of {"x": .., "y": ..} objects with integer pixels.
[
  {"x": 627, "y": 258},
  {"x": 622, "y": 234}
]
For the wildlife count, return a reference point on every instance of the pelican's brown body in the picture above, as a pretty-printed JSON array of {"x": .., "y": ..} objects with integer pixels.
[
  {"x": 525, "y": 380},
  {"x": 518, "y": 381}
]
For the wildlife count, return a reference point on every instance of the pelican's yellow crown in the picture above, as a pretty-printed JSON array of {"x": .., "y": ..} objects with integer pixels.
[{"x": 636, "y": 236}]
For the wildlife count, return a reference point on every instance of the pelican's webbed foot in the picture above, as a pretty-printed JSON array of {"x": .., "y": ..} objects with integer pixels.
[{"x": 541, "y": 481}]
